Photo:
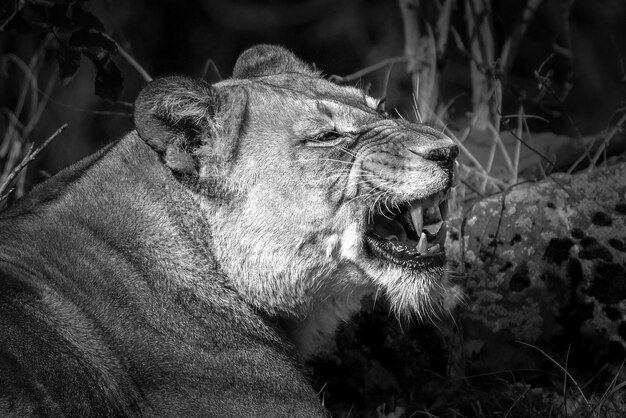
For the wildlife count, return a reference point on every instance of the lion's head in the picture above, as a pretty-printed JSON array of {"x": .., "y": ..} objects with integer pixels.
[{"x": 314, "y": 195}]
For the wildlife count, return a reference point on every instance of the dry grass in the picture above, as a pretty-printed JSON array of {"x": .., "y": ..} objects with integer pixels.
[{"x": 21, "y": 118}]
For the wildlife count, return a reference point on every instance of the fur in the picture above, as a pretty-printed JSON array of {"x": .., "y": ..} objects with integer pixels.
[{"x": 190, "y": 267}]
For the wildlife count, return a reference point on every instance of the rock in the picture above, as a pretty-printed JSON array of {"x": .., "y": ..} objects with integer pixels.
[{"x": 545, "y": 264}]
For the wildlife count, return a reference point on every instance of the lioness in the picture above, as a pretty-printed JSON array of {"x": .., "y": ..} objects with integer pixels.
[{"x": 187, "y": 268}]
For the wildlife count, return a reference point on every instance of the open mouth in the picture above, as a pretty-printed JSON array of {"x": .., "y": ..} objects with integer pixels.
[{"x": 412, "y": 234}]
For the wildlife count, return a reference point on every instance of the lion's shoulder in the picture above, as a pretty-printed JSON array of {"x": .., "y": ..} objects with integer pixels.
[{"x": 110, "y": 298}]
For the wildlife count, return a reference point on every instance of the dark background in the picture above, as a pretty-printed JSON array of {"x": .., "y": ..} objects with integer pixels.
[{"x": 339, "y": 37}]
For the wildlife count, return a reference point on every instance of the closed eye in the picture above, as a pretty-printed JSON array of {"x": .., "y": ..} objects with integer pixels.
[
  {"x": 328, "y": 136},
  {"x": 326, "y": 139}
]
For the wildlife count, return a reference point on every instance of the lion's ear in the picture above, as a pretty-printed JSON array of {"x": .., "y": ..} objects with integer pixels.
[
  {"x": 175, "y": 116},
  {"x": 262, "y": 60}
]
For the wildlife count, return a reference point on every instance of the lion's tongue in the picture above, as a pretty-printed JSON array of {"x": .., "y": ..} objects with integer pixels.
[
  {"x": 389, "y": 229},
  {"x": 393, "y": 231}
]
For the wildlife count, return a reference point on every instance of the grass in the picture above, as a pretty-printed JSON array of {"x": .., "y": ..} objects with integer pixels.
[{"x": 16, "y": 145}]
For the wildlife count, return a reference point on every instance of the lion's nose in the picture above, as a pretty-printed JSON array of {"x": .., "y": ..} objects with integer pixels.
[{"x": 439, "y": 153}]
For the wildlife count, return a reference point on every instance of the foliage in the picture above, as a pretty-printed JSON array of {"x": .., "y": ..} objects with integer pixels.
[{"x": 77, "y": 33}]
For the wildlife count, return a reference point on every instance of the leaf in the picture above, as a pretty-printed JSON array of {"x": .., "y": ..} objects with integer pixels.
[
  {"x": 92, "y": 40},
  {"x": 18, "y": 24},
  {"x": 8, "y": 12},
  {"x": 36, "y": 15},
  {"x": 58, "y": 16},
  {"x": 109, "y": 83},
  {"x": 84, "y": 19},
  {"x": 69, "y": 61}
]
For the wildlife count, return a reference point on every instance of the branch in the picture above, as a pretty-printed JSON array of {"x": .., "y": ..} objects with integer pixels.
[
  {"x": 366, "y": 70},
  {"x": 28, "y": 158},
  {"x": 509, "y": 50},
  {"x": 607, "y": 140},
  {"x": 143, "y": 73},
  {"x": 443, "y": 26},
  {"x": 420, "y": 47},
  {"x": 410, "y": 16}
]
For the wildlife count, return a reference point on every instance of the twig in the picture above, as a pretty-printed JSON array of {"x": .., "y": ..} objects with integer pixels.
[
  {"x": 511, "y": 45},
  {"x": 544, "y": 82},
  {"x": 543, "y": 157},
  {"x": 374, "y": 67},
  {"x": 443, "y": 26},
  {"x": 567, "y": 374},
  {"x": 28, "y": 158},
  {"x": 503, "y": 150},
  {"x": 462, "y": 48},
  {"x": 518, "y": 144},
  {"x": 474, "y": 189},
  {"x": 525, "y": 116},
  {"x": 17, "y": 7},
  {"x": 38, "y": 111},
  {"x": 31, "y": 81},
  {"x": 12, "y": 156},
  {"x": 583, "y": 156},
  {"x": 416, "y": 107},
  {"x": 530, "y": 140},
  {"x": 13, "y": 125},
  {"x": 474, "y": 161},
  {"x": 410, "y": 22},
  {"x": 607, "y": 139},
  {"x": 444, "y": 110},
  {"x": 565, "y": 378},
  {"x": 489, "y": 165},
  {"x": 143, "y": 73},
  {"x": 95, "y": 112},
  {"x": 519, "y": 398},
  {"x": 485, "y": 93},
  {"x": 420, "y": 48}
]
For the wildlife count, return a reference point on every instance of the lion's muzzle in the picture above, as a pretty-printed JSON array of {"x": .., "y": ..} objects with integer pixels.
[{"x": 406, "y": 171}]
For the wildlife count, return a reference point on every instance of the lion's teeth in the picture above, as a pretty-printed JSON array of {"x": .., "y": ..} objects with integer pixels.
[
  {"x": 422, "y": 245},
  {"x": 417, "y": 217}
]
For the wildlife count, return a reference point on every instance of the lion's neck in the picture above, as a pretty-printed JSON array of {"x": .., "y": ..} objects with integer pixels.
[{"x": 314, "y": 333}]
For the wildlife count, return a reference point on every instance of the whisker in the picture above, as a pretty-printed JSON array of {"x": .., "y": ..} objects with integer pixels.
[
  {"x": 339, "y": 147},
  {"x": 331, "y": 160}
]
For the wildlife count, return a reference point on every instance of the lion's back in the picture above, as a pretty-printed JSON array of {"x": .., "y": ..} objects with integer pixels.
[{"x": 49, "y": 347}]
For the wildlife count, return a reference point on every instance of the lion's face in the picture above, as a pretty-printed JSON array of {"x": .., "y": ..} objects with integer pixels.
[{"x": 312, "y": 193}]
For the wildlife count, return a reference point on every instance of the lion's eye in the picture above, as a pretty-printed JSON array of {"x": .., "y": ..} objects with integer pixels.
[
  {"x": 326, "y": 139},
  {"x": 328, "y": 136}
]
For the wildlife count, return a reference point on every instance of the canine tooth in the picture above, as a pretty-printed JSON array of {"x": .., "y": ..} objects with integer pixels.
[
  {"x": 417, "y": 217},
  {"x": 422, "y": 245}
]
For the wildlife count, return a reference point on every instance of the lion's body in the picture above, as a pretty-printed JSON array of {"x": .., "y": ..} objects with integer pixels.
[
  {"x": 188, "y": 268},
  {"x": 125, "y": 312}
]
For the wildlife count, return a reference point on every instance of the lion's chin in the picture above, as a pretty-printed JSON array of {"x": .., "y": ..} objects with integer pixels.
[
  {"x": 415, "y": 284},
  {"x": 423, "y": 293}
]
